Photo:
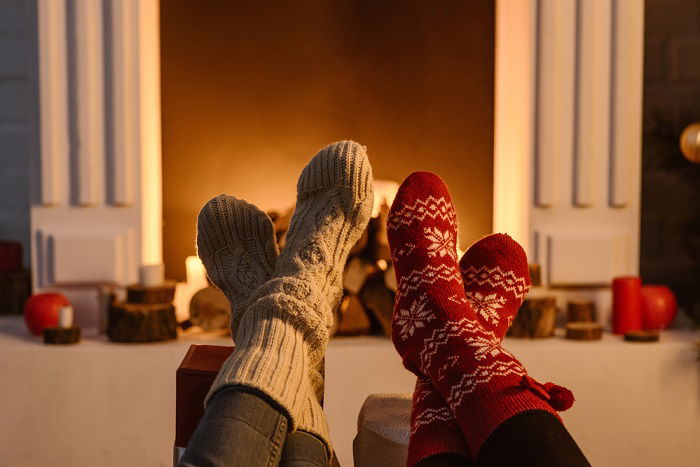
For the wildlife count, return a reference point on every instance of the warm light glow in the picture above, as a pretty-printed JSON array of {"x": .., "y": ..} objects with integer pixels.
[
  {"x": 514, "y": 110},
  {"x": 149, "y": 114},
  {"x": 384, "y": 192},
  {"x": 196, "y": 273}
]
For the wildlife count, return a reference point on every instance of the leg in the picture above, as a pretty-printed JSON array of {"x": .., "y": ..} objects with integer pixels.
[
  {"x": 239, "y": 429},
  {"x": 533, "y": 438},
  {"x": 283, "y": 330},
  {"x": 302, "y": 449},
  {"x": 236, "y": 242},
  {"x": 436, "y": 326}
]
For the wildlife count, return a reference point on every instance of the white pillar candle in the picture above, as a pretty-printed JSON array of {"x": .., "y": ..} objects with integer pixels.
[
  {"x": 65, "y": 317},
  {"x": 152, "y": 275},
  {"x": 196, "y": 274}
]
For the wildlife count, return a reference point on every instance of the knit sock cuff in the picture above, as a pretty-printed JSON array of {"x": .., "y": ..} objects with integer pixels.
[
  {"x": 313, "y": 420},
  {"x": 271, "y": 355}
]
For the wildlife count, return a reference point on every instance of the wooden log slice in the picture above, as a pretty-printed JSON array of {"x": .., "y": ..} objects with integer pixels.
[
  {"x": 642, "y": 336},
  {"x": 581, "y": 311},
  {"x": 352, "y": 319},
  {"x": 139, "y": 322},
  {"x": 585, "y": 331},
  {"x": 62, "y": 335},
  {"x": 535, "y": 318},
  {"x": 164, "y": 293}
]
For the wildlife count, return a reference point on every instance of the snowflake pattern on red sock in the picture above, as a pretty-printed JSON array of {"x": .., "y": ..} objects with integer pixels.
[{"x": 457, "y": 355}]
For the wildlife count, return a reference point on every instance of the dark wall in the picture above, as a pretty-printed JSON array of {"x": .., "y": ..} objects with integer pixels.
[
  {"x": 670, "y": 235},
  {"x": 251, "y": 90}
]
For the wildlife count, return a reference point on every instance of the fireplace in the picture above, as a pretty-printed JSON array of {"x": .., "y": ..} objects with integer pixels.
[
  {"x": 510, "y": 101},
  {"x": 250, "y": 91}
]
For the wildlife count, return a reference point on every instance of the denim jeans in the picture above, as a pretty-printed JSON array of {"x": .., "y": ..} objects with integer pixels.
[{"x": 242, "y": 428}]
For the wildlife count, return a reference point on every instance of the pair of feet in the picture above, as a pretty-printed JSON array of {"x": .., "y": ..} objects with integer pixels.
[
  {"x": 449, "y": 320},
  {"x": 283, "y": 302}
]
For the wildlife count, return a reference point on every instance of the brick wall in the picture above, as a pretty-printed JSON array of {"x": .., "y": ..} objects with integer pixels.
[
  {"x": 18, "y": 112},
  {"x": 670, "y": 234}
]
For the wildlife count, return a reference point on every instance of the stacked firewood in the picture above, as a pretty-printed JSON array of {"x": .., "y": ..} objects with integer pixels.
[{"x": 369, "y": 283}]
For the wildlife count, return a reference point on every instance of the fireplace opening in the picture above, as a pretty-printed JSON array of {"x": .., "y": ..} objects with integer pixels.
[{"x": 250, "y": 91}]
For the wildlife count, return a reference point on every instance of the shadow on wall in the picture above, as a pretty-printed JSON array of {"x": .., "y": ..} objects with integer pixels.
[{"x": 252, "y": 90}]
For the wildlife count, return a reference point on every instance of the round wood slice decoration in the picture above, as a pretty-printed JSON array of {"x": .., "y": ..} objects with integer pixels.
[
  {"x": 581, "y": 311},
  {"x": 57, "y": 335},
  {"x": 642, "y": 336},
  {"x": 210, "y": 309},
  {"x": 584, "y": 331},
  {"x": 140, "y": 322},
  {"x": 151, "y": 294}
]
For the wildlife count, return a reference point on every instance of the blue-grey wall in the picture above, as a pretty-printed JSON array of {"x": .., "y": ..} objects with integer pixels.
[{"x": 18, "y": 116}]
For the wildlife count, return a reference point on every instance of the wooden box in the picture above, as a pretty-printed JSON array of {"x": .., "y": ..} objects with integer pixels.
[{"x": 194, "y": 377}]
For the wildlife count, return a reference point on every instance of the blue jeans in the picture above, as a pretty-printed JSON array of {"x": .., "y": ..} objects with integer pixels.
[{"x": 242, "y": 428}]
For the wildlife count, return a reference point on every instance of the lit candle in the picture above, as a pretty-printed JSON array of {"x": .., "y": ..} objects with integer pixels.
[
  {"x": 65, "y": 317},
  {"x": 196, "y": 274},
  {"x": 152, "y": 275}
]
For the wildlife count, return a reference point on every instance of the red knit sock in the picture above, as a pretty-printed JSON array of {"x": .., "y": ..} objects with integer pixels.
[
  {"x": 433, "y": 427},
  {"x": 436, "y": 330},
  {"x": 495, "y": 275}
]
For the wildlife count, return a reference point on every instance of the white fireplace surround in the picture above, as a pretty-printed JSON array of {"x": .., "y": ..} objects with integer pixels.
[{"x": 568, "y": 97}]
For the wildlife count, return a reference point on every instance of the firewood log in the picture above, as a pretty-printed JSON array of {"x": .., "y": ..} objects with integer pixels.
[
  {"x": 355, "y": 274},
  {"x": 360, "y": 244},
  {"x": 381, "y": 239},
  {"x": 379, "y": 302},
  {"x": 352, "y": 319}
]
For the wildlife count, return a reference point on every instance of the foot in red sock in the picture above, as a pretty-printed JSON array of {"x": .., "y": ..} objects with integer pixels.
[
  {"x": 496, "y": 279},
  {"x": 436, "y": 330}
]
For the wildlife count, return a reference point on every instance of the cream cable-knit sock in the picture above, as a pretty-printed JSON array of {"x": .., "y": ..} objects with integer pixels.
[
  {"x": 236, "y": 243},
  {"x": 284, "y": 331}
]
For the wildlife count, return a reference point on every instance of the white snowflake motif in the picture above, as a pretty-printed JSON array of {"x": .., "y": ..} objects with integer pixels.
[
  {"x": 413, "y": 318},
  {"x": 484, "y": 347},
  {"x": 487, "y": 306},
  {"x": 441, "y": 243}
]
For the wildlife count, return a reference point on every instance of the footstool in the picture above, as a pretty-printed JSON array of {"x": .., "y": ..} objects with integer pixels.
[{"x": 383, "y": 429}]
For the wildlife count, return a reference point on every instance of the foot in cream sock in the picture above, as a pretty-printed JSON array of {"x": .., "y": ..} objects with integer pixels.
[
  {"x": 283, "y": 333},
  {"x": 236, "y": 243}
]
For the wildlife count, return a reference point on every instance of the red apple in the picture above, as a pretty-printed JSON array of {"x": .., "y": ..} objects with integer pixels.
[
  {"x": 658, "y": 306},
  {"x": 41, "y": 311}
]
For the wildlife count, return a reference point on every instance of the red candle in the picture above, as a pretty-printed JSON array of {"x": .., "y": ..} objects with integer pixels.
[{"x": 627, "y": 304}]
